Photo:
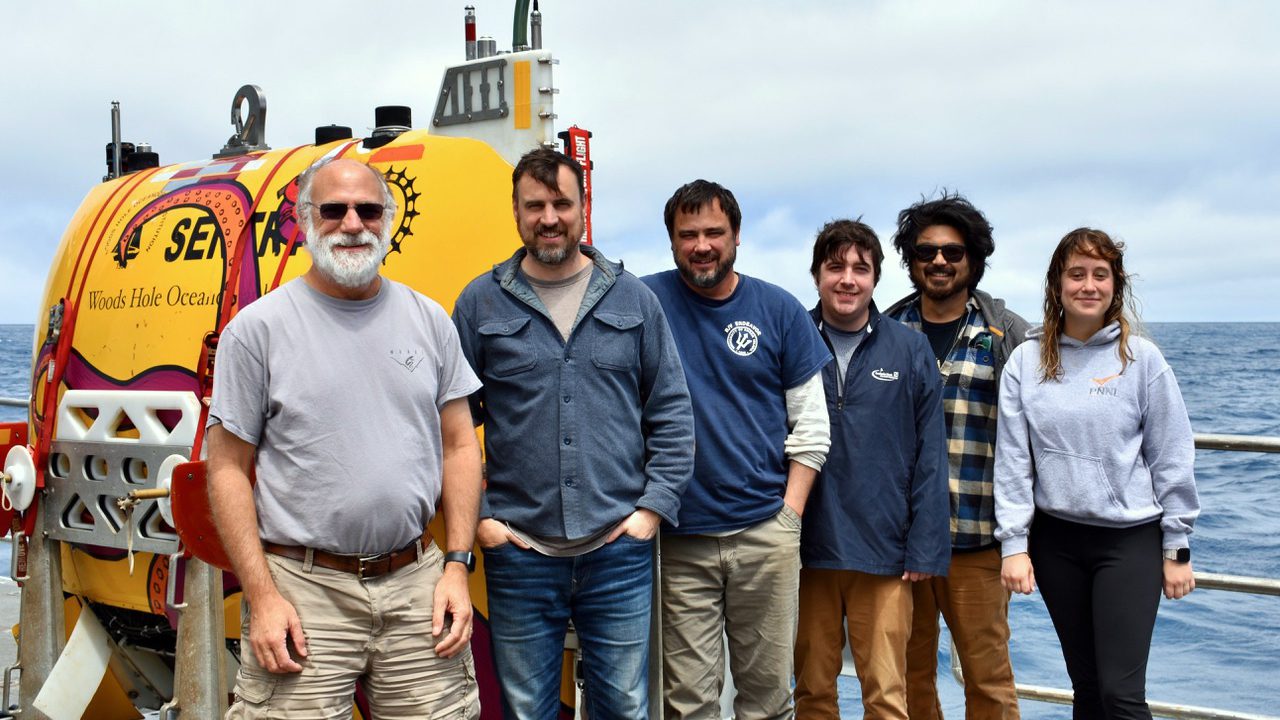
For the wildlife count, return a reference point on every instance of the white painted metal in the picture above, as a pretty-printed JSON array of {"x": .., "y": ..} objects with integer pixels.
[
  {"x": 164, "y": 481},
  {"x": 20, "y": 478},
  {"x": 78, "y": 672},
  {"x": 468, "y": 86},
  {"x": 141, "y": 408}
]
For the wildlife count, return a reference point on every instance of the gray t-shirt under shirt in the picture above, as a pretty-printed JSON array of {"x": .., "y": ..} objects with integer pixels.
[
  {"x": 563, "y": 298},
  {"x": 844, "y": 344},
  {"x": 342, "y": 399}
]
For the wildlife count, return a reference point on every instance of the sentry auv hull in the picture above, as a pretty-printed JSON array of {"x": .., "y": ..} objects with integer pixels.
[{"x": 153, "y": 264}]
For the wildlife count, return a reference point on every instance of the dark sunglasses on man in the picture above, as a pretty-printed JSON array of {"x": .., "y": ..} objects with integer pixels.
[
  {"x": 337, "y": 211},
  {"x": 926, "y": 252}
]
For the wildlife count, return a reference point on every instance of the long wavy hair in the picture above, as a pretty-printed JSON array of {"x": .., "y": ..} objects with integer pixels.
[{"x": 1095, "y": 244}]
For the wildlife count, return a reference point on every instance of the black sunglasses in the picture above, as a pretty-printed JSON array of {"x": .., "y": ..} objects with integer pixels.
[
  {"x": 951, "y": 253},
  {"x": 337, "y": 211}
]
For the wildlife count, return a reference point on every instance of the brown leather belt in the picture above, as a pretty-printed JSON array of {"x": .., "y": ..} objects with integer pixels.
[{"x": 362, "y": 566}]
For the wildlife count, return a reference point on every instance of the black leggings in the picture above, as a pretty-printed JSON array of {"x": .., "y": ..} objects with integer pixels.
[{"x": 1102, "y": 587}]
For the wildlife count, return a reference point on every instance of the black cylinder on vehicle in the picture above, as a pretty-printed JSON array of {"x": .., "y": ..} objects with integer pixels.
[
  {"x": 389, "y": 121},
  {"x": 126, "y": 149},
  {"x": 326, "y": 134},
  {"x": 140, "y": 160}
]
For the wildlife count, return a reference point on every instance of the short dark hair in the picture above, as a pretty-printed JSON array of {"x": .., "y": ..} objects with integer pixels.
[
  {"x": 544, "y": 166},
  {"x": 692, "y": 197},
  {"x": 956, "y": 212},
  {"x": 836, "y": 237}
]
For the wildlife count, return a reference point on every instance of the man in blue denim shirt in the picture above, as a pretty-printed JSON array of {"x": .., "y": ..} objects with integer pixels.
[{"x": 589, "y": 445}]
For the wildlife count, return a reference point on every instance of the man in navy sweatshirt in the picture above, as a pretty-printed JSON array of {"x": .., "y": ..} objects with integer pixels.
[{"x": 878, "y": 515}]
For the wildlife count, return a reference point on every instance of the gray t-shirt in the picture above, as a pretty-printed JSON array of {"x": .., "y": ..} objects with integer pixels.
[
  {"x": 563, "y": 298},
  {"x": 342, "y": 399},
  {"x": 844, "y": 344}
]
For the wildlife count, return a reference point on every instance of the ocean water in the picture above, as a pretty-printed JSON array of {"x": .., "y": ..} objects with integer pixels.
[
  {"x": 15, "y": 367},
  {"x": 1213, "y": 648}
]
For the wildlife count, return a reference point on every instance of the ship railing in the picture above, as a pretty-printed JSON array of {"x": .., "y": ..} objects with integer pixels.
[{"x": 1204, "y": 580}]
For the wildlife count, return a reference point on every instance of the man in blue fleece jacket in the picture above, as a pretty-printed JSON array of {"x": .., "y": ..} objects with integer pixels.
[{"x": 879, "y": 513}]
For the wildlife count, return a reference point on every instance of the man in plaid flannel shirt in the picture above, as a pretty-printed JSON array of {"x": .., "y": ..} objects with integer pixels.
[{"x": 945, "y": 244}]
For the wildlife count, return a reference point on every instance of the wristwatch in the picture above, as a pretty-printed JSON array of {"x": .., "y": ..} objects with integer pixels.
[
  {"x": 464, "y": 557},
  {"x": 1179, "y": 555}
]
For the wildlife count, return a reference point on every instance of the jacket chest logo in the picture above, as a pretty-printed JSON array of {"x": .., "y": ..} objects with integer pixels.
[
  {"x": 883, "y": 375},
  {"x": 742, "y": 337}
]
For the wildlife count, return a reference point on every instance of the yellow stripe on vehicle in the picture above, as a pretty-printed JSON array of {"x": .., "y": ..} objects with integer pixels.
[{"x": 522, "y": 96}]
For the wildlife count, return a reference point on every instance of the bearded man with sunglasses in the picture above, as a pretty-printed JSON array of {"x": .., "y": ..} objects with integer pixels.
[
  {"x": 346, "y": 393},
  {"x": 944, "y": 244}
]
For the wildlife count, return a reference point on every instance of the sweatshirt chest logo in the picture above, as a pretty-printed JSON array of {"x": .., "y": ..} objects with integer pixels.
[
  {"x": 742, "y": 337},
  {"x": 884, "y": 376},
  {"x": 1101, "y": 388},
  {"x": 409, "y": 359}
]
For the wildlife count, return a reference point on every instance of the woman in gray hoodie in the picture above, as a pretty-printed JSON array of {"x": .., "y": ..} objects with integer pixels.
[{"x": 1094, "y": 485}]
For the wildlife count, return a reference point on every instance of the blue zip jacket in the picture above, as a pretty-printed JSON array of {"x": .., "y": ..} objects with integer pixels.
[
  {"x": 577, "y": 434},
  {"x": 881, "y": 504}
]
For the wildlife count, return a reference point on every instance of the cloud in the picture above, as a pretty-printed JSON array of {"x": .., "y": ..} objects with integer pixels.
[{"x": 1153, "y": 120}]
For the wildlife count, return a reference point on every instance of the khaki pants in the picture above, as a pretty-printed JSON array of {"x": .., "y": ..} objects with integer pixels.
[
  {"x": 745, "y": 586},
  {"x": 976, "y": 608},
  {"x": 377, "y": 631},
  {"x": 878, "y": 611}
]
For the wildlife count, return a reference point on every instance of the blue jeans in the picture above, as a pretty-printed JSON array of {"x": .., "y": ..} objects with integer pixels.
[{"x": 608, "y": 595}]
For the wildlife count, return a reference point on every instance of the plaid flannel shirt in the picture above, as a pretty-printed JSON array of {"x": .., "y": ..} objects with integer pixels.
[{"x": 969, "y": 397}]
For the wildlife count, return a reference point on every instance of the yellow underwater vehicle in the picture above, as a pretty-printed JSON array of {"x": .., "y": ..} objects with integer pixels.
[{"x": 126, "y": 611}]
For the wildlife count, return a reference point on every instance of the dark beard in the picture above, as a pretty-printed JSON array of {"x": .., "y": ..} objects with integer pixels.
[
  {"x": 547, "y": 256},
  {"x": 724, "y": 266},
  {"x": 938, "y": 295},
  {"x": 707, "y": 280}
]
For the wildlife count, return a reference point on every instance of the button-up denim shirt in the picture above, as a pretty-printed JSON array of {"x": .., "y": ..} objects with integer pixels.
[{"x": 578, "y": 434}]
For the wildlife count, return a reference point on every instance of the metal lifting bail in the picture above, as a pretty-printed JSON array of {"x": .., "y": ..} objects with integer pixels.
[{"x": 251, "y": 126}]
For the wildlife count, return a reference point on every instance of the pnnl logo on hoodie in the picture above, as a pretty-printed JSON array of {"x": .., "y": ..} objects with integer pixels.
[{"x": 1101, "y": 388}]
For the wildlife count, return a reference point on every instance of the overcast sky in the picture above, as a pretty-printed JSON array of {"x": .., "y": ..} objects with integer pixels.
[{"x": 1156, "y": 121}]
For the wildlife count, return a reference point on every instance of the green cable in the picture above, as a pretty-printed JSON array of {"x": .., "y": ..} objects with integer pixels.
[{"x": 520, "y": 25}]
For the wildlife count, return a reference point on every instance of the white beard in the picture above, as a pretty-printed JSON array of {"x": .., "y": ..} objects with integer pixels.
[{"x": 350, "y": 269}]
